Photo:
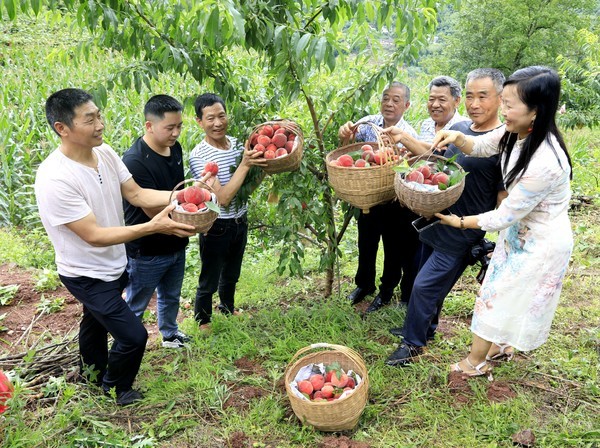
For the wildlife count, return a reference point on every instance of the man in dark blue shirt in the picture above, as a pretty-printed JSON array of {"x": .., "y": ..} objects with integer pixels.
[{"x": 445, "y": 252}]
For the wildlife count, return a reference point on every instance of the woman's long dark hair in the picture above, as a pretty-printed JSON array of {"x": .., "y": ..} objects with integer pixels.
[{"x": 539, "y": 88}]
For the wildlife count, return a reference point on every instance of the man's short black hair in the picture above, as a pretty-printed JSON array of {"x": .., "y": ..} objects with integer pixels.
[
  {"x": 402, "y": 86},
  {"x": 159, "y": 105},
  {"x": 61, "y": 105},
  {"x": 207, "y": 100},
  {"x": 447, "y": 81}
]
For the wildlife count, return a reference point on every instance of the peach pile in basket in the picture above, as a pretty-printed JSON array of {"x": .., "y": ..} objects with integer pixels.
[
  {"x": 273, "y": 141},
  {"x": 366, "y": 157}
]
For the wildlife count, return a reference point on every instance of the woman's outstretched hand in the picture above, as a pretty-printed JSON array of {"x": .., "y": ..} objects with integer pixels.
[{"x": 443, "y": 138}]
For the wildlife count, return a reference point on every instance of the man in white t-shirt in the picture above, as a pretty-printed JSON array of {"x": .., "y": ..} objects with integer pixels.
[{"x": 79, "y": 190}]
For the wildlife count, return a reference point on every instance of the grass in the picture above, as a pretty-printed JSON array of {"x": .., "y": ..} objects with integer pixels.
[{"x": 188, "y": 392}]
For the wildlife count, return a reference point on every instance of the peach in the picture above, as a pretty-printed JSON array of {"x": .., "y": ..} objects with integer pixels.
[
  {"x": 269, "y": 154},
  {"x": 351, "y": 383},
  {"x": 360, "y": 163},
  {"x": 193, "y": 194},
  {"x": 366, "y": 148},
  {"x": 263, "y": 140},
  {"x": 327, "y": 391},
  {"x": 289, "y": 146},
  {"x": 279, "y": 140},
  {"x": 339, "y": 379},
  {"x": 212, "y": 168},
  {"x": 369, "y": 156},
  {"x": 207, "y": 195},
  {"x": 415, "y": 176},
  {"x": 425, "y": 171},
  {"x": 281, "y": 131},
  {"x": 271, "y": 147},
  {"x": 180, "y": 197},
  {"x": 266, "y": 130},
  {"x": 305, "y": 387},
  {"x": 334, "y": 163},
  {"x": 292, "y": 137},
  {"x": 345, "y": 160},
  {"x": 190, "y": 207},
  {"x": 260, "y": 148},
  {"x": 439, "y": 178},
  {"x": 281, "y": 152},
  {"x": 379, "y": 158},
  {"x": 317, "y": 381},
  {"x": 276, "y": 127}
]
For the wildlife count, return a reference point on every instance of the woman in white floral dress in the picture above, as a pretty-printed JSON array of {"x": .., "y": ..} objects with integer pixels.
[{"x": 517, "y": 300}]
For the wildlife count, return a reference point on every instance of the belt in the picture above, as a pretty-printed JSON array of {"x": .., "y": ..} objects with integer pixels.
[{"x": 239, "y": 220}]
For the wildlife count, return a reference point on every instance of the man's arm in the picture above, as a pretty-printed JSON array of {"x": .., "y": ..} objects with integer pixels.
[
  {"x": 225, "y": 194},
  {"x": 88, "y": 229}
]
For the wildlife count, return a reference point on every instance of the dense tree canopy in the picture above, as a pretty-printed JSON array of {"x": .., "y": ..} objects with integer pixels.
[
  {"x": 291, "y": 43},
  {"x": 509, "y": 35}
]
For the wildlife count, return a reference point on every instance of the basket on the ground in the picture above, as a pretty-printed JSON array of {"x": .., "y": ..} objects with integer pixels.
[
  {"x": 427, "y": 203},
  {"x": 201, "y": 221},
  {"x": 291, "y": 162},
  {"x": 364, "y": 187},
  {"x": 336, "y": 415}
]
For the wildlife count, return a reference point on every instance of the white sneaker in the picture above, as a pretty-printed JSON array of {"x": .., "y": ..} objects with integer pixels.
[{"x": 178, "y": 340}]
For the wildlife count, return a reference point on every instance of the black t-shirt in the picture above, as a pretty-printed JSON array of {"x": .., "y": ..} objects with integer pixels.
[
  {"x": 480, "y": 195},
  {"x": 151, "y": 170}
]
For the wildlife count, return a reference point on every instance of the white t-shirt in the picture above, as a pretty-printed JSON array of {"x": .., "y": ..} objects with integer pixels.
[{"x": 67, "y": 191}]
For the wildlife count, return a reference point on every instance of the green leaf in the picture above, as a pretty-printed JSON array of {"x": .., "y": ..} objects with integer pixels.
[
  {"x": 212, "y": 206},
  {"x": 403, "y": 167},
  {"x": 302, "y": 43}
]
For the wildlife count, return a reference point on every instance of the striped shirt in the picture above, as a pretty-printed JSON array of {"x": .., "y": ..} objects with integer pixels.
[
  {"x": 428, "y": 127},
  {"x": 225, "y": 159},
  {"x": 367, "y": 133}
]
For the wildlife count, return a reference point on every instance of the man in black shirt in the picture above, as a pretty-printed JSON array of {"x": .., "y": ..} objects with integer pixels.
[
  {"x": 445, "y": 252},
  {"x": 157, "y": 262}
]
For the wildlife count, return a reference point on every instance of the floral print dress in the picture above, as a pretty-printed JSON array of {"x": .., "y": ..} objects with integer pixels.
[{"x": 518, "y": 298}]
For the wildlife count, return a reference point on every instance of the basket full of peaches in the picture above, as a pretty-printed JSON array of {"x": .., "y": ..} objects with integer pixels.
[
  {"x": 362, "y": 174},
  {"x": 281, "y": 143}
]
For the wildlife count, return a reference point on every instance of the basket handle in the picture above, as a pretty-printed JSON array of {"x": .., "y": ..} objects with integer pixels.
[
  {"x": 184, "y": 181},
  {"x": 379, "y": 134},
  {"x": 341, "y": 348}
]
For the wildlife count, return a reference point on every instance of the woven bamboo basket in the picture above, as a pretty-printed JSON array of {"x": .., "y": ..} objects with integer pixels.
[
  {"x": 364, "y": 187},
  {"x": 427, "y": 203},
  {"x": 291, "y": 162},
  {"x": 202, "y": 221},
  {"x": 337, "y": 415}
]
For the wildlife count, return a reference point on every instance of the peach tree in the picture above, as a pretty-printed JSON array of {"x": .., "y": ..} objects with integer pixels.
[{"x": 318, "y": 62}]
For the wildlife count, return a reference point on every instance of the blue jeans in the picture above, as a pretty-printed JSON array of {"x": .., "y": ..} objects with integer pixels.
[
  {"x": 437, "y": 275},
  {"x": 105, "y": 311},
  {"x": 163, "y": 273},
  {"x": 221, "y": 253}
]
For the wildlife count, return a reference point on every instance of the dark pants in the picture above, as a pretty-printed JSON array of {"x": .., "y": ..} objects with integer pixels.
[
  {"x": 221, "y": 253},
  {"x": 105, "y": 311},
  {"x": 437, "y": 275},
  {"x": 391, "y": 223}
]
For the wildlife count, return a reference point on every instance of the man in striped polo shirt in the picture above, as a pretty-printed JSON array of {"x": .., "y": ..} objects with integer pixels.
[{"x": 222, "y": 248}]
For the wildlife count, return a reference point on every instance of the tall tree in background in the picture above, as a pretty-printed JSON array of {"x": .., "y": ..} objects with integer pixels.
[
  {"x": 507, "y": 35},
  {"x": 292, "y": 42}
]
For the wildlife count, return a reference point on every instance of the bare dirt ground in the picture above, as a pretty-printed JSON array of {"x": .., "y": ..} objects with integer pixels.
[{"x": 25, "y": 325}]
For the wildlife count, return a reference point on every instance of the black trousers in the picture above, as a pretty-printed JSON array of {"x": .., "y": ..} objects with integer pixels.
[
  {"x": 390, "y": 223},
  {"x": 105, "y": 311},
  {"x": 221, "y": 253}
]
